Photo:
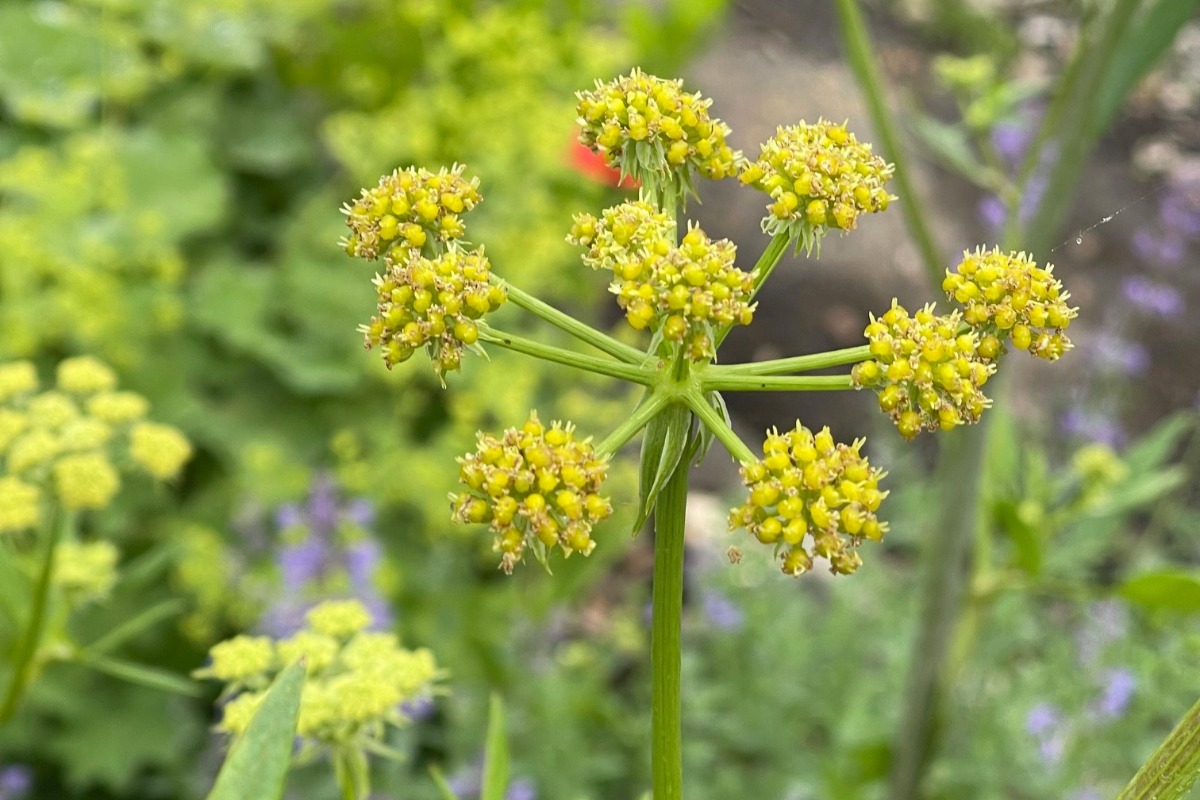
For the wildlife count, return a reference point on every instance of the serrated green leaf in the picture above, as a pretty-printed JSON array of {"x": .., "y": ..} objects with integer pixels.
[
  {"x": 1164, "y": 590},
  {"x": 495, "y": 754},
  {"x": 258, "y": 761},
  {"x": 663, "y": 448}
]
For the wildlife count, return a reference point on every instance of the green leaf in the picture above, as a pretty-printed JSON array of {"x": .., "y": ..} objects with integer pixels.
[
  {"x": 439, "y": 780},
  {"x": 495, "y": 755},
  {"x": 258, "y": 761},
  {"x": 1139, "y": 49},
  {"x": 150, "y": 677},
  {"x": 952, "y": 147},
  {"x": 663, "y": 447},
  {"x": 1139, "y": 491},
  {"x": 1026, "y": 539},
  {"x": 1164, "y": 590},
  {"x": 1156, "y": 446}
]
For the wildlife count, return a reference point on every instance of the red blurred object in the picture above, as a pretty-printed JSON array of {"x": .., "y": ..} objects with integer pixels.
[{"x": 592, "y": 165}]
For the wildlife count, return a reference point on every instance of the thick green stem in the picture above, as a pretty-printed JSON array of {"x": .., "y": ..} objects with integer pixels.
[
  {"x": 788, "y": 366},
  {"x": 761, "y": 271},
  {"x": 565, "y": 322},
  {"x": 25, "y": 654},
  {"x": 666, "y": 746},
  {"x": 860, "y": 53},
  {"x": 546, "y": 352},
  {"x": 944, "y": 569},
  {"x": 762, "y": 383},
  {"x": 646, "y": 411},
  {"x": 716, "y": 423},
  {"x": 1172, "y": 769}
]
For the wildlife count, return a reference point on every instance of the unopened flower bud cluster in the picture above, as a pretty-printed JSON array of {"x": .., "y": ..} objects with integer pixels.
[
  {"x": 810, "y": 496},
  {"x": 650, "y": 128},
  {"x": 408, "y": 209},
  {"x": 819, "y": 176},
  {"x": 927, "y": 369},
  {"x": 537, "y": 487},
  {"x": 1009, "y": 297},
  {"x": 71, "y": 442},
  {"x": 433, "y": 303},
  {"x": 355, "y": 684}
]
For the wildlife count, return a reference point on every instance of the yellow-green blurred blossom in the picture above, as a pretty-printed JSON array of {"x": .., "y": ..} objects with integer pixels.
[
  {"x": 16, "y": 378},
  {"x": 537, "y": 487},
  {"x": 20, "y": 505},
  {"x": 12, "y": 424},
  {"x": 627, "y": 234},
  {"x": 1009, "y": 297},
  {"x": 117, "y": 407},
  {"x": 85, "y": 375},
  {"x": 31, "y": 450},
  {"x": 51, "y": 410},
  {"x": 652, "y": 130},
  {"x": 409, "y": 209},
  {"x": 928, "y": 372},
  {"x": 85, "y": 480},
  {"x": 434, "y": 303},
  {"x": 687, "y": 294},
  {"x": 161, "y": 450},
  {"x": 84, "y": 433},
  {"x": 807, "y": 485},
  {"x": 819, "y": 177},
  {"x": 85, "y": 571},
  {"x": 355, "y": 682}
]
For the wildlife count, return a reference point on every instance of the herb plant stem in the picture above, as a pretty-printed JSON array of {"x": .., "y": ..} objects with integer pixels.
[
  {"x": 787, "y": 366},
  {"x": 580, "y": 330},
  {"x": 789, "y": 383},
  {"x": 716, "y": 423},
  {"x": 600, "y": 366},
  {"x": 641, "y": 416},
  {"x": 1172, "y": 769},
  {"x": 666, "y": 745},
  {"x": 31, "y": 637}
]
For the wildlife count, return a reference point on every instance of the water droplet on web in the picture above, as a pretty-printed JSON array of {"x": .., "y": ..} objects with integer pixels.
[{"x": 1078, "y": 240}]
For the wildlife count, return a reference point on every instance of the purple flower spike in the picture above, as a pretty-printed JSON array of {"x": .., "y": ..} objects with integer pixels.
[
  {"x": 1154, "y": 298},
  {"x": 521, "y": 789},
  {"x": 360, "y": 512},
  {"x": 288, "y": 516},
  {"x": 1119, "y": 687},
  {"x": 721, "y": 613},
  {"x": 1164, "y": 249},
  {"x": 1180, "y": 212},
  {"x": 1115, "y": 354},
  {"x": 991, "y": 212},
  {"x": 1042, "y": 719},
  {"x": 1012, "y": 140},
  {"x": 362, "y": 559},
  {"x": 1093, "y": 427},
  {"x": 322, "y": 504},
  {"x": 302, "y": 563},
  {"x": 15, "y": 781}
]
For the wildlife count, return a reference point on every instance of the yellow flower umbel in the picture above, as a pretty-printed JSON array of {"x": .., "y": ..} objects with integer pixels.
[
  {"x": 653, "y": 131},
  {"x": 409, "y": 209},
  {"x": 1009, "y": 297},
  {"x": 433, "y": 303},
  {"x": 71, "y": 443},
  {"x": 537, "y": 487},
  {"x": 928, "y": 370},
  {"x": 624, "y": 238},
  {"x": 809, "y": 496},
  {"x": 354, "y": 687},
  {"x": 819, "y": 177}
]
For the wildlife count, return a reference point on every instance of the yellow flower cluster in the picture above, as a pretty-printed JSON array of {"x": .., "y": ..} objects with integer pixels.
[
  {"x": 538, "y": 487},
  {"x": 85, "y": 571},
  {"x": 624, "y": 238},
  {"x": 650, "y": 128},
  {"x": 70, "y": 442},
  {"x": 686, "y": 294},
  {"x": 1009, "y": 297},
  {"x": 410, "y": 208},
  {"x": 928, "y": 370},
  {"x": 432, "y": 303},
  {"x": 819, "y": 177},
  {"x": 807, "y": 485},
  {"x": 356, "y": 680}
]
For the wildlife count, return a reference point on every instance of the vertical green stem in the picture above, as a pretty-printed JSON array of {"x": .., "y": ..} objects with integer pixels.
[
  {"x": 666, "y": 747},
  {"x": 944, "y": 571},
  {"x": 860, "y": 54},
  {"x": 31, "y": 637},
  {"x": 1172, "y": 769}
]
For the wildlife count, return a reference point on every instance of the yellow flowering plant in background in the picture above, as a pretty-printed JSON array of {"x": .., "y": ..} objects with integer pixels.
[{"x": 813, "y": 500}]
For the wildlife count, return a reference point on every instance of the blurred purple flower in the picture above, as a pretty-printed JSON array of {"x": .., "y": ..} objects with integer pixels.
[
  {"x": 1165, "y": 249},
  {"x": 323, "y": 504},
  {"x": 362, "y": 559},
  {"x": 303, "y": 562},
  {"x": 1087, "y": 793},
  {"x": 15, "y": 781},
  {"x": 1107, "y": 622},
  {"x": 1012, "y": 139},
  {"x": 1116, "y": 354},
  {"x": 1180, "y": 211},
  {"x": 419, "y": 708},
  {"x": 521, "y": 789},
  {"x": 1042, "y": 719},
  {"x": 287, "y": 516},
  {"x": 721, "y": 612},
  {"x": 360, "y": 512},
  {"x": 1119, "y": 686},
  {"x": 1154, "y": 298},
  {"x": 1093, "y": 426},
  {"x": 991, "y": 212},
  {"x": 466, "y": 783}
]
